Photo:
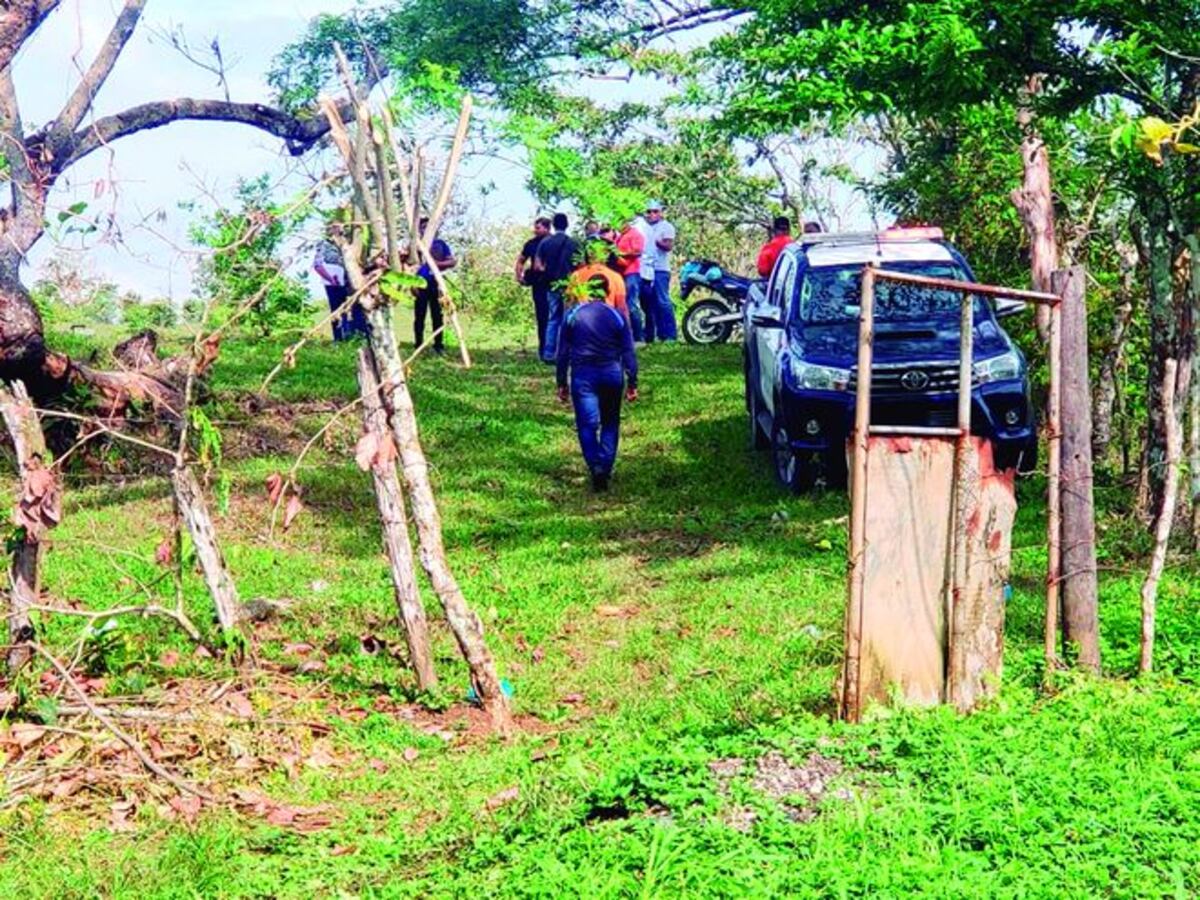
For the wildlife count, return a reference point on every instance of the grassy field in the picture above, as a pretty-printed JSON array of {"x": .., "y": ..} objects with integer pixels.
[{"x": 672, "y": 646}]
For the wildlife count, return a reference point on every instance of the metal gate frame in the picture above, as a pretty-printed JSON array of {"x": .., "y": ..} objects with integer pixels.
[{"x": 850, "y": 702}]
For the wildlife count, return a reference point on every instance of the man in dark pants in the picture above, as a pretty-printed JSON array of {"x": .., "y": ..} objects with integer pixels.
[
  {"x": 596, "y": 347},
  {"x": 555, "y": 261},
  {"x": 331, "y": 269},
  {"x": 533, "y": 280},
  {"x": 429, "y": 297}
]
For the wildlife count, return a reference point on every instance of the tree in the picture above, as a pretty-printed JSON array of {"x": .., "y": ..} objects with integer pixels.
[
  {"x": 245, "y": 265},
  {"x": 35, "y": 160}
]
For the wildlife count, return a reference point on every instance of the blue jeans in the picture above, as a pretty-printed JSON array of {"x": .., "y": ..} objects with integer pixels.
[
  {"x": 664, "y": 310},
  {"x": 649, "y": 302},
  {"x": 596, "y": 392},
  {"x": 541, "y": 312},
  {"x": 554, "y": 320},
  {"x": 349, "y": 324},
  {"x": 633, "y": 295}
]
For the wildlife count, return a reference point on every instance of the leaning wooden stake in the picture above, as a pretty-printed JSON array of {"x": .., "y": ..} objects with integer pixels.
[
  {"x": 190, "y": 499},
  {"x": 396, "y": 541},
  {"x": 464, "y": 623},
  {"x": 39, "y": 508},
  {"x": 1166, "y": 518}
]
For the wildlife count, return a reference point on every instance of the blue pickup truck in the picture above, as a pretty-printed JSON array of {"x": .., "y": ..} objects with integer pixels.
[{"x": 801, "y": 352}]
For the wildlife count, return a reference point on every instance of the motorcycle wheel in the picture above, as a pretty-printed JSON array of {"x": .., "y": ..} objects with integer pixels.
[{"x": 698, "y": 330}]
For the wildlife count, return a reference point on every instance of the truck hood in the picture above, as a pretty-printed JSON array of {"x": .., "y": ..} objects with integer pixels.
[{"x": 895, "y": 342}]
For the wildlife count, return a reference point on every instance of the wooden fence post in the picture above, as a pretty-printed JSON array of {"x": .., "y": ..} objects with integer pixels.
[
  {"x": 392, "y": 514},
  {"x": 1081, "y": 623}
]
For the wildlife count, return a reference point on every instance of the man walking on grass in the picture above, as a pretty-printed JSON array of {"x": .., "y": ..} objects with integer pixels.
[
  {"x": 554, "y": 262},
  {"x": 596, "y": 350},
  {"x": 659, "y": 247},
  {"x": 533, "y": 280}
]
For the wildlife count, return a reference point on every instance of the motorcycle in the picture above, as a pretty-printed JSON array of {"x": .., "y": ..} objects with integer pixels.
[{"x": 714, "y": 318}]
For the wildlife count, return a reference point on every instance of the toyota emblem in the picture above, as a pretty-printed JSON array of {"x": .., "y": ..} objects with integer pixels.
[{"x": 914, "y": 380}]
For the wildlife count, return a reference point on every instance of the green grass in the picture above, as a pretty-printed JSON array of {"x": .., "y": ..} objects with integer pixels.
[{"x": 730, "y": 649}]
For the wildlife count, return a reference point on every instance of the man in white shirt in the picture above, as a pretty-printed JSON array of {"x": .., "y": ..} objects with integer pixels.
[{"x": 659, "y": 245}]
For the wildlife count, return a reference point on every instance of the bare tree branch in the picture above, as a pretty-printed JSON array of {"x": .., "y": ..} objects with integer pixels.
[
  {"x": 298, "y": 133},
  {"x": 19, "y": 19},
  {"x": 93, "y": 79}
]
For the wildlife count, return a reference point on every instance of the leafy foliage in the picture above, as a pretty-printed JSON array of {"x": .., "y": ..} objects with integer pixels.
[{"x": 245, "y": 265}]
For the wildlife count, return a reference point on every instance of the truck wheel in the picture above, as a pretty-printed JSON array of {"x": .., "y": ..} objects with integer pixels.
[{"x": 793, "y": 470}]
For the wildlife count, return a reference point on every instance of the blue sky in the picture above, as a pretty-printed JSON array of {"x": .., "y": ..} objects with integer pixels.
[
  {"x": 142, "y": 181},
  {"x": 144, "y": 178}
]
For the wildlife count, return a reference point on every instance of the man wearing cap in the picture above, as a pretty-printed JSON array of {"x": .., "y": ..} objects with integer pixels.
[{"x": 658, "y": 249}]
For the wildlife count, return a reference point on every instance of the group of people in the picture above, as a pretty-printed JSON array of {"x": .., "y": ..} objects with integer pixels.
[
  {"x": 593, "y": 302},
  {"x": 349, "y": 321}
]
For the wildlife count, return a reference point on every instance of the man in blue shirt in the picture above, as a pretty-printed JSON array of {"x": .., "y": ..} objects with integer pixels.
[
  {"x": 596, "y": 347},
  {"x": 429, "y": 297}
]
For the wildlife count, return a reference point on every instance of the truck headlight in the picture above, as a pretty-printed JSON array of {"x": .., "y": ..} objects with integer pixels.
[
  {"x": 819, "y": 378},
  {"x": 1005, "y": 367}
]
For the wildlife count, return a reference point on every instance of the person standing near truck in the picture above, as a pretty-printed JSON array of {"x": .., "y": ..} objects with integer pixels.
[{"x": 781, "y": 236}]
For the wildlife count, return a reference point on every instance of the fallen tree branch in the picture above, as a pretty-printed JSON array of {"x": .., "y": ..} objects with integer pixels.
[{"x": 117, "y": 731}]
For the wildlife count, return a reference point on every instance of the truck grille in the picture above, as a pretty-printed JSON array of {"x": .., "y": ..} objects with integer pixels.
[{"x": 909, "y": 380}]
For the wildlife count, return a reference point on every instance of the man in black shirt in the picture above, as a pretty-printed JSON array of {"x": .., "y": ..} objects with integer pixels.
[
  {"x": 555, "y": 261},
  {"x": 529, "y": 278}
]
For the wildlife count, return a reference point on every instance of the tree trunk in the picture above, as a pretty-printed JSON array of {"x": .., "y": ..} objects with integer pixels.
[
  {"x": 396, "y": 541},
  {"x": 1170, "y": 339},
  {"x": 22, "y": 344},
  {"x": 1114, "y": 359},
  {"x": 1034, "y": 201},
  {"x": 39, "y": 508},
  {"x": 1166, "y": 518},
  {"x": 1079, "y": 583},
  {"x": 190, "y": 499},
  {"x": 467, "y": 628}
]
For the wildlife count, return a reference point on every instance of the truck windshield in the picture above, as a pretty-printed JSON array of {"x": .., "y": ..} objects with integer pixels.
[{"x": 832, "y": 294}]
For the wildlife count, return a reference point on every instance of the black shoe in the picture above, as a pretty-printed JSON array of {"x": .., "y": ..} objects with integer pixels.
[
  {"x": 600, "y": 481},
  {"x": 440, "y": 351}
]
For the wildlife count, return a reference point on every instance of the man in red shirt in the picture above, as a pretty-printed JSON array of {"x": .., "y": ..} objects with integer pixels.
[
  {"x": 782, "y": 236},
  {"x": 630, "y": 246}
]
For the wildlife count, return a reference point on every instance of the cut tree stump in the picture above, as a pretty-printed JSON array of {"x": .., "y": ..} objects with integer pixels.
[
  {"x": 378, "y": 453},
  {"x": 38, "y": 509},
  {"x": 913, "y": 639}
]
